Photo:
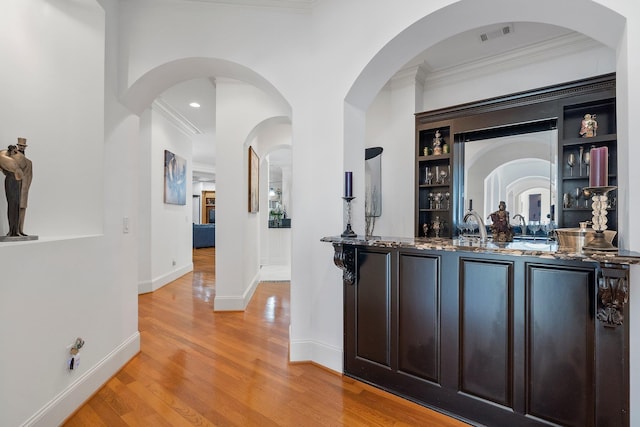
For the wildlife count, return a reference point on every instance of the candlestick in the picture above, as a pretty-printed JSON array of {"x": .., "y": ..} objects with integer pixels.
[
  {"x": 348, "y": 184},
  {"x": 348, "y": 232},
  {"x": 599, "y": 173},
  {"x": 599, "y": 220}
]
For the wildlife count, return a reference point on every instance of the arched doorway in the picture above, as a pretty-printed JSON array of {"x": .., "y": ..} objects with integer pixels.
[{"x": 237, "y": 266}]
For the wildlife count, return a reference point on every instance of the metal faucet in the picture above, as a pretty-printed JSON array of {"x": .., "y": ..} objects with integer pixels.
[
  {"x": 483, "y": 231},
  {"x": 522, "y": 222}
]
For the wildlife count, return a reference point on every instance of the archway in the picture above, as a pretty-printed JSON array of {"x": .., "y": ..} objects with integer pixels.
[
  {"x": 272, "y": 139},
  {"x": 595, "y": 21},
  {"x": 234, "y": 263}
]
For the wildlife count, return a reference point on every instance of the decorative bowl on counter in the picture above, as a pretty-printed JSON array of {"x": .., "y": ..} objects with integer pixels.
[{"x": 574, "y": 239}]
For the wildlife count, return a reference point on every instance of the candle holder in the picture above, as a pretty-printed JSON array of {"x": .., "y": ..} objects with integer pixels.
[
  {"x": 348, "y": 232},
  {"x": 599, "y": 206}
]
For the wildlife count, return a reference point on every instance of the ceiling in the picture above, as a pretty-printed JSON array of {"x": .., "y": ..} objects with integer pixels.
[{"x": 455, "y": 52}]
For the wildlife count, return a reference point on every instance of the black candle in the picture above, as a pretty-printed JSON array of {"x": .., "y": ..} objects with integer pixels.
[{"x": 348, "y": 184}]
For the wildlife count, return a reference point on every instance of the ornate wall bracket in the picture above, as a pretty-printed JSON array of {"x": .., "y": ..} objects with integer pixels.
[
  {"x": 344, "y": 258},
  {"x": 613, "y": 294}
]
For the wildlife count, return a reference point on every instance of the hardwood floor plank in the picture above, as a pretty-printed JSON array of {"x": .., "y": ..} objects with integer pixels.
[{"x": 200, "y": 368}]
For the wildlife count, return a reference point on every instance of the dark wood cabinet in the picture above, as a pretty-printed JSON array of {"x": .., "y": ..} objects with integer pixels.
[
  {"x": 575, "y": 205},
  {"x": 560, "y": 107},
  {"x": 493, "y": 339},
  {"x": 433, "y": 181}
]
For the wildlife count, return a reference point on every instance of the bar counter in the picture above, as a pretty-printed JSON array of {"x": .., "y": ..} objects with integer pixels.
[
  {"x": 518, "y": 334},
  {"x": 541, "y": 247}
]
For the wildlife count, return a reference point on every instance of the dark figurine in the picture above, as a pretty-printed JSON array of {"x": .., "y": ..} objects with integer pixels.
[
  {"x": 12, "y": 186},
  {"x": 18, "y": 171},
  {"x": 500, "y": 227}
]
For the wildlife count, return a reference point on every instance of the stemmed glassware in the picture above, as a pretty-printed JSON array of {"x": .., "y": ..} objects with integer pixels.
[
  {"x": 534, "y": 226},
  {"x": 429, "y": 176},
  {"x": 587, "y": 194},
  {"x": 438, "y": 199},
  {"x": 571, "y": 161},
  {"x": 587, "y": 159},
  {"x": 577, "y": 193},
  {"x": 443, "y": 176},
  {"x": 447, "y": 196}
]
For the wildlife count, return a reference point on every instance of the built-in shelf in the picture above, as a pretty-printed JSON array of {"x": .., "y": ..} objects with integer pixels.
[
  {"x": 603, "y": 106},
  {"x": 433, "y": 180}
]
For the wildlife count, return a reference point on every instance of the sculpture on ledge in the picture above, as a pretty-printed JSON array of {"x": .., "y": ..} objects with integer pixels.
[
  {"x": 500, "y": 227},
  {"x": 18, "y": 173},
  {"x": 589, "y": 126},
  {"x": 437, "y": 144}
]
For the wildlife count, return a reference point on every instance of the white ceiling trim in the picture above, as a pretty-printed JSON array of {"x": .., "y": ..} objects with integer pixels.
[
  {"x": 174, "y": 117},
  {"x": 553, "y": 48},
  {"x": 288, "y": 4},
  {"x": 203, "y": 168}
]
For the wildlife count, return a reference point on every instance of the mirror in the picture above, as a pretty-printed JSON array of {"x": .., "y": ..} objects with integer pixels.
[
  {"x": 279, "y": 188},
  {"x": 519, "y": 169}
]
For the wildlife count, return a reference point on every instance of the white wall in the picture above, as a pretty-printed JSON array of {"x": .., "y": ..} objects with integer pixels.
[
  {"x": 48, "y": 99},
  {"x": 240, "y": 108},
  {"x": 165, "y": 230},
  {"x": 65, "y": 285},
  {"x": 274, "y": 135}
]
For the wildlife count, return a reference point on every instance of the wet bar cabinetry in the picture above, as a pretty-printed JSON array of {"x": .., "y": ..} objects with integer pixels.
[
  {"x": 573, "y": 154},
  {"x": 492, "y": 339},
  {"x": 559, "y": 107},
  {"x": 433, "y": 182}
]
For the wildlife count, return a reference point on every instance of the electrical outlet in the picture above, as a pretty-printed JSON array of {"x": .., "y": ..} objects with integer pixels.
[
  {"x": 173, "y": 262},
  {"x": 125, "y": 224}
]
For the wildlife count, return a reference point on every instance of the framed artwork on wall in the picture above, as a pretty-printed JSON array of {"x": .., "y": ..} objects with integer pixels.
[
  {"x": 254, "y": 180},
  {"x": 175, "y": 179}
]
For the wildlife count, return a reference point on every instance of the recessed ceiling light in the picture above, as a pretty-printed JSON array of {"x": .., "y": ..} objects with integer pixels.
[{"x": 194, "y": 105}]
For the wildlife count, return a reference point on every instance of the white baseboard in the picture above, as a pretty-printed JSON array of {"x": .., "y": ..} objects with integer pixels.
[
  {"x": 236, "y": 303},
  {"x": 320, "y": 353},
  {"x": 155, "y": 284},
  {"x": 72, "y": 397}
]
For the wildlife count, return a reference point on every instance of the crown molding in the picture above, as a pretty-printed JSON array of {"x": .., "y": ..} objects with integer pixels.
[
  {"x": 174, "y": 117},
  {"x": 284, "y": 4},
  {"x": 548, "y": 49},
  {"x": 203, "y": 168}
]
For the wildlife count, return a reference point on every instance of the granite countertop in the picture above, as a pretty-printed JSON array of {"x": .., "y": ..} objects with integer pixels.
[{"x": 538, "y": 248}]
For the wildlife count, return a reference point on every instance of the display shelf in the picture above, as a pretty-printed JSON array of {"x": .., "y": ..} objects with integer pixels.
[
  {"x": 573, "y": 148},
  {"x": 433, "y": 181}
]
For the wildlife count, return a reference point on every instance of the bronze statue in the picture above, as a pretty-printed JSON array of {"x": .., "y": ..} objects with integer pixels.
[
  {"x": 27, "y": 170},
  {"x": 500, "y": 227},
  {"x": 12, "y": 186},
  {"x": 18, "y": 173}
]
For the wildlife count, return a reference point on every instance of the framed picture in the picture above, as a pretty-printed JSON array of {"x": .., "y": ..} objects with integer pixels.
[
  {"x": 254, "y": 180},
  {"x": 175, "y": 179}
]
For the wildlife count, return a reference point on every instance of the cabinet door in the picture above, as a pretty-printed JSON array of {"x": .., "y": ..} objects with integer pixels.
[
  {"x": 419, "y": 316},
  {"x": 560, "y": 344},
  {"x": 368, "y": 314},
  {"x": 486, "y": 330}
]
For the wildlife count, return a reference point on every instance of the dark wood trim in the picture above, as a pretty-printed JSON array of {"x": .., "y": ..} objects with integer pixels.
[{"x": 601, "y": 83}]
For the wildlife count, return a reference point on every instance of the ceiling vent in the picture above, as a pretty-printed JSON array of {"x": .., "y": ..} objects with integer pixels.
[{"x": 502, "y": 31}]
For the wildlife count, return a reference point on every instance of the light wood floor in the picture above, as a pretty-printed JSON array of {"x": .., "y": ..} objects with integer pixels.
[{"x": 200, "y": 368}]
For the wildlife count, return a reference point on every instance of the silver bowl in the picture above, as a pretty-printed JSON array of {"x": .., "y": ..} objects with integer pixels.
[{"x": 574, "y": 239}]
